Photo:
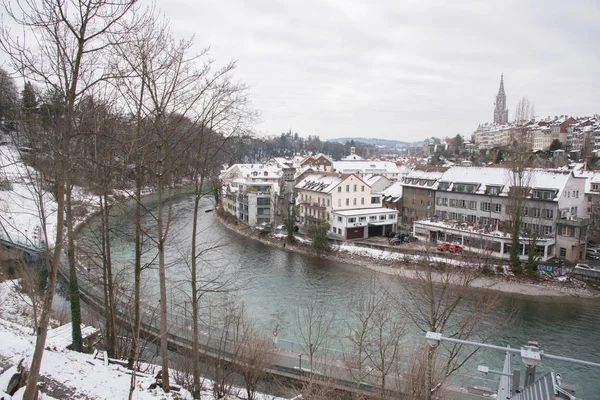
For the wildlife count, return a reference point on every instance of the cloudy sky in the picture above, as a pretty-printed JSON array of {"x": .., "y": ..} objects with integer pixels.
[{"x": 399, "y": 69}]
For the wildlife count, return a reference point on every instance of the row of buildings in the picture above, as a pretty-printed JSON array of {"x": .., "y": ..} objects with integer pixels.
[{"x": 468, "y": 205}]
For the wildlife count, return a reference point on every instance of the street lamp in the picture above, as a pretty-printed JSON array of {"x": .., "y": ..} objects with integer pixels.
[{"x": 300, "y": 362}]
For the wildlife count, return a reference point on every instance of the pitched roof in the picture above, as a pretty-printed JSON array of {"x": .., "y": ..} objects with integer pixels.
[
  {"x": 366, "y": 167},
  {"x": 323, "y": 183}
]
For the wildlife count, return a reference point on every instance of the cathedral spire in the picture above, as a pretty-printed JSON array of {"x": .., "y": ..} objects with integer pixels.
[{"x": 501, "y": 112}]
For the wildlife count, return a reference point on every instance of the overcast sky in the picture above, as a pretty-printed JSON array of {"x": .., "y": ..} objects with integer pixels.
[{"x": 399, "y": 69}]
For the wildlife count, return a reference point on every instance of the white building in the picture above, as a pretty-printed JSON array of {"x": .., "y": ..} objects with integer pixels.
[
  {"x": 368, "y": 167},
  {"x": 477, "y": 200},
  {"x": 363, "y": 223}
]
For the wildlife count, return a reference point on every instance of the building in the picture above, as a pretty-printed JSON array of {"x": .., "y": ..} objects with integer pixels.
[
  {"x": 501, "y": 112},
  {"x": 361, "y": 168},
  {"x": 256, "y": 202},
  {"x": 418, "y": 193},
  {"x": 392, "y": 198},
  {"x": 363, "y": 223},
  {"x": 318, "y": 162},
  {"x": 474, "y": 203},
  {"x": 592, "y": 197}
]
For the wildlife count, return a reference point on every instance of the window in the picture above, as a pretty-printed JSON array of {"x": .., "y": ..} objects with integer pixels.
[
  {"x": 547, "y": 229},
  {"x": 497, "y": 208},
  {"x": 493, "y": 190},
  {"x": 351, "y": 220},
  {"x": 484, "y": 220},
  {"x": 339, "y": 219},
  {"x": 354, "y": 201},
  {"x": 444, "y": 201},
  {"x": 486, "y": 207},
  {"x": 453, "y": 215},
  {"x": 563, "y": 252},
  {"x": 375, "y": 200},
  {"x": 471, "y": 218},
  {"x": 355, "y": 186},
  {"x": 453, "y": 202},
  {"x": 422, "y": 202},
  {"x": 576, "y": 194},
  {"x": 439, "y": 201},
  {"x": 574, "y": 211},
  {"x": 339, "y": 202},
  {"x": 362, "y": 188},
  {"x": 382, "y": 217},
  {"x": 462, "y": 203},
  {"x": 347, "y": 202},
  {"x": 525, "y": 211},
  {"x": 373, "y": 218},
  {"x": 596, "y": 186},
  {"x": 444, "y": 214},
  {"x": 339, "y": 189},
  {"x": 347, "y": 188},
  {"x": 362, "y": 201},
  {"x": 536, "y": 212},
  {"x": 392, "y": 216},
  {"x": 473, "y": 205},
  {"x": 549, "y": 214},
  {"x": 328, "y": 202},
  {"x": 362, "y": 219}
]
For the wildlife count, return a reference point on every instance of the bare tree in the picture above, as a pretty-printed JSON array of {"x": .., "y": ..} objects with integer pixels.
[
  {"x": 312, "y": 325},
  {"x": 69, "y": 38},
  {"x": 440, "y": 298},
  {"x": 520, "y": 160}
]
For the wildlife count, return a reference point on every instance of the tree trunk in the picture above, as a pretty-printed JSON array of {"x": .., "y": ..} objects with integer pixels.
[
  {"x": 111, "y": 286},
  {"x": 163, "y": 290},
  {"x": 107, "y": 307},
  {"x": 42, "y": 331},
  {"x": 73, "y": 285}
]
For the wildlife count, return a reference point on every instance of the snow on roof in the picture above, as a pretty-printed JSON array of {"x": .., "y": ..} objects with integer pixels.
[
  {"x": 352, "y": 157},
  {"x": 371, "y": 179},
  {"x": 365, "y": 211},
  {"x": 320, "y": 182},
  {"x": 395, "y": 190},
  {"x": 366, "y": 167},
  {"x": 503, "y": 177},
  {"x": 591, "y": 177},
  {"x": 253, "y": 170}
]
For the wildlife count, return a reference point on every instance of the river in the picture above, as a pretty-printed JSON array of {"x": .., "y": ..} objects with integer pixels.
[{"x": 273, "y": 282}]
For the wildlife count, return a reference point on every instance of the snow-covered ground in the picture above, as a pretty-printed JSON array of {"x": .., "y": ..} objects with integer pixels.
[
  {"x": 20, "y": 210},
  {"x": 20, "y": 203},
  {"x": 79, "y": 375}
]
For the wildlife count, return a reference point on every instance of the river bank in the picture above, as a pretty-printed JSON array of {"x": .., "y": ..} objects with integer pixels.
[{"x": 397, "y": 264}]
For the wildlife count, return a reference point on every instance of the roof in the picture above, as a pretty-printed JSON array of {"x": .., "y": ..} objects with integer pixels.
[
  {"x": 393, "y": 192},
  {"x": 253, "y": 170},
  {"x": 591, "y": 177},
  {"x": 352, "y": 157},
  {"x": 371, "y": 179},
  {"x": 365, "y": 211},
  {"x": 323, "y": 183},
  {"x": 503, "y": 177},
  {"x": 366, "y": 167}
]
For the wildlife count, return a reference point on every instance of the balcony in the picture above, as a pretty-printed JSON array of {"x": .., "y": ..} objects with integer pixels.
[{"x": 573, "y": 221}]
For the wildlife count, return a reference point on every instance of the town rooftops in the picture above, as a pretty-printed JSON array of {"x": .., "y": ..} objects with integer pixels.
[
  {"x": 502, "y": 179},
  {"x": 592, "y": 177},
  {"x": 366, "y": 167},
  {"x": 393, "y": 193},
  {"x": 323, "y": 182}
]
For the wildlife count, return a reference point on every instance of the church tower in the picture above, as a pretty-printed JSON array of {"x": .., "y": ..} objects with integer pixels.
[{"x": 501, "y": 112}]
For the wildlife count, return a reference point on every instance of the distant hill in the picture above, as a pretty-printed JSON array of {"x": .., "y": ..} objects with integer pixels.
[{"x": 379, "y": 142}]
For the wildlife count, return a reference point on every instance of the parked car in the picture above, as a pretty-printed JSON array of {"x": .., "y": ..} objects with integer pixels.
[
  {"x": 455, "y": 248},
  {"x": 583, "y": 266},
  {"x": 443, "y": 246},
  {"x": 592, "y": 254}
]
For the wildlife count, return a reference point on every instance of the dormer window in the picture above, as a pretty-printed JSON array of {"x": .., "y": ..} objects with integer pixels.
[{"x": 266, "y": 173}]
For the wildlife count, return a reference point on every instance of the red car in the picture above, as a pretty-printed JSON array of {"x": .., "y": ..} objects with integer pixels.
[
  {"x": 443, "y": 247},
  {"x": 455, "y": 248}
]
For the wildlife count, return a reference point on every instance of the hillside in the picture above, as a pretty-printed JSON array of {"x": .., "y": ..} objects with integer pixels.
[{"x": 378, "y": 142}]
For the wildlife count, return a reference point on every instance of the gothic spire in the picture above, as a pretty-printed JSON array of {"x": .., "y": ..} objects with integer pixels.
[{"x": 501, "y": 112}]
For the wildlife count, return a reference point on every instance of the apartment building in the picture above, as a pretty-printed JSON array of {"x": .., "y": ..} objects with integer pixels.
[
  {"x": 471, "y": 202},
  {"x": 321, "y": 196},
  {"x": 418, "y": 193}
]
